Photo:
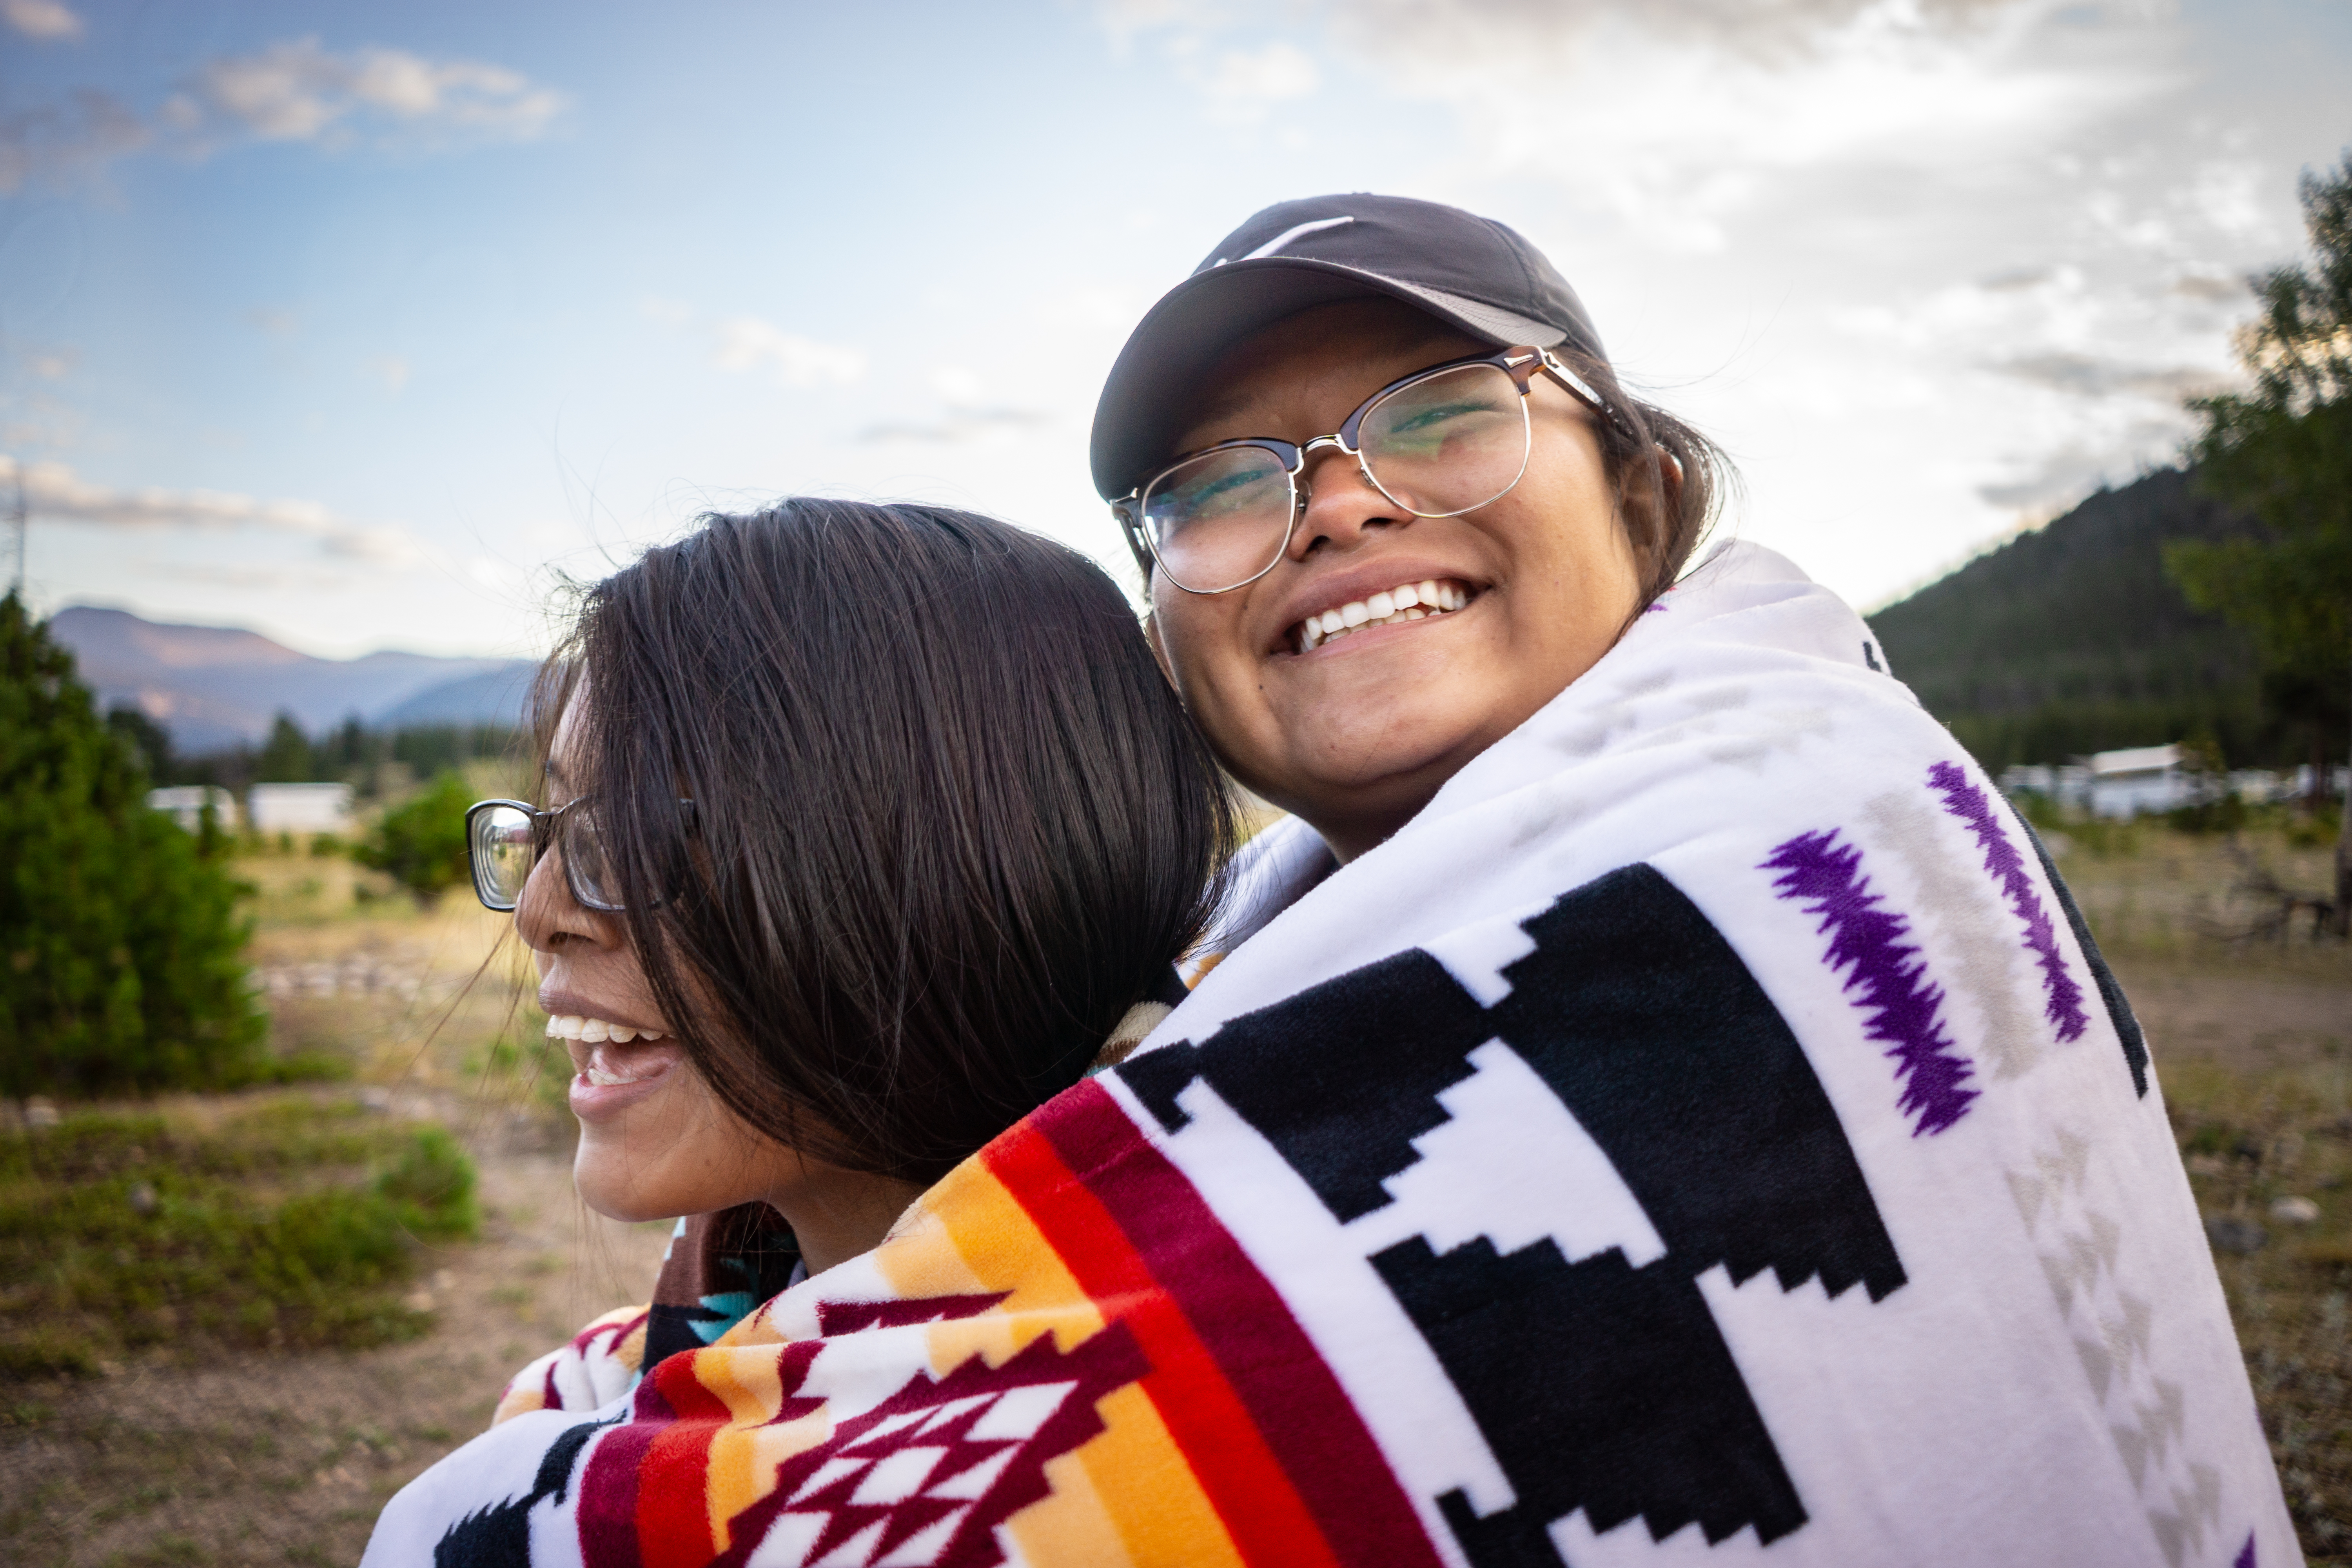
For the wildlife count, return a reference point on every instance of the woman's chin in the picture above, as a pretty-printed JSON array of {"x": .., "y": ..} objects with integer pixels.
[{"x": 612, "y": 1184}]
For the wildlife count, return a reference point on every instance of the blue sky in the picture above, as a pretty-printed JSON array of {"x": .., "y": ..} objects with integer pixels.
[{"x": 358, "y": 324}]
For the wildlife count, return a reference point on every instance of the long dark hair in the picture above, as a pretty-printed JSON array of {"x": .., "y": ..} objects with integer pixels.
[{"x": 949, "y": 821}]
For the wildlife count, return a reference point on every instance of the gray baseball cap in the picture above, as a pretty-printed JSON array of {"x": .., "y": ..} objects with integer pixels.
[{"x": 1470, "y": 272}]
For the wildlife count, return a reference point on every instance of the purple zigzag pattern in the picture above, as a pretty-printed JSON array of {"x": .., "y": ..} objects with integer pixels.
[
  {"x": 2007, "y": 866},
  {"x": 2246, "y": 1558},
  {"x": 1907, "y": 1009}
]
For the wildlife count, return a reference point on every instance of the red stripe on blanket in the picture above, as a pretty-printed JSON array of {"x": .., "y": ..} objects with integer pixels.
[
  {"x": 1295, "y": 1402},
  {"x": 674, "y": 1509},
  {"x": 1262, "y": 1512}
]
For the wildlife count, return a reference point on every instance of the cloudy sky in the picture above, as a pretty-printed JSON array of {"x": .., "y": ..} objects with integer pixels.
[{"x": 358, "y": 323}]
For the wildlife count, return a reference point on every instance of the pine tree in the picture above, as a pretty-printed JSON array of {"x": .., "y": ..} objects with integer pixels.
[
  {"x": 121, "y": 949},
  {"x": 2283, "y": 452},
  {"x": 286, "y": 756}
]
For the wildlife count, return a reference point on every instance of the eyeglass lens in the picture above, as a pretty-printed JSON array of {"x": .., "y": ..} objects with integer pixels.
[
  {"x": 584, "y": 863},
  {"x": 502, "y": 845},
  {"x": 1437, "y": 446}
]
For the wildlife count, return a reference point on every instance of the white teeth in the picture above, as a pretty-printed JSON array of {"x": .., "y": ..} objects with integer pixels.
[
  {"x": 594, "y": 1031},
  {"x": 1408, "y": 602}
]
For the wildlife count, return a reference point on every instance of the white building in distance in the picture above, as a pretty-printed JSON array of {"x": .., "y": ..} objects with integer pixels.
[
  {"x": 187, "y": 803},
  {"x": 2142, "y": 779},
  {"x": 300, "y": 808}
]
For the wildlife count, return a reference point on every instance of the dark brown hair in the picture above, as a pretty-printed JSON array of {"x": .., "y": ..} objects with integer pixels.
[
  {"x": 949, "y": 821},
  {"x": 1665, "y": 507}
]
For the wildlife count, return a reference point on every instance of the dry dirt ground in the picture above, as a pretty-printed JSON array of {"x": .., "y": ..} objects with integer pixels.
[{"x": 286, "y": 1459}]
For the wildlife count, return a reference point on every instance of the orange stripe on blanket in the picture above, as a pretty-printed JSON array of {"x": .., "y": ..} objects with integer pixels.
[
  {"x": 969, "y": 1238},
  {"x": 1260, "y": 1509},
  {"x": 745, "y": 1452}
]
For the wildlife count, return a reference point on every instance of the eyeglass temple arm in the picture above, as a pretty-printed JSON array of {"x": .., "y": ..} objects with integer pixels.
[{"x": 1124, "y": 508}]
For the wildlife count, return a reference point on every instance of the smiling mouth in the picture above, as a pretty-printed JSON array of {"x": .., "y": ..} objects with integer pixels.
[
  {"x": 1426, "y": 600},
  {"x": 608, "y": 1066}
]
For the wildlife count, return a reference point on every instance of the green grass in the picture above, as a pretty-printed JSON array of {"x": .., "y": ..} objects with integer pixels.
[
  {"x": 293, "y": 1222},
  {"x": 2251, "y": 1139}
]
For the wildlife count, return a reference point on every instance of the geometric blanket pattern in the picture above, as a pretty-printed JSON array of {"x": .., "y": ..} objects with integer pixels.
[{"x": 1707, "y": 1133}]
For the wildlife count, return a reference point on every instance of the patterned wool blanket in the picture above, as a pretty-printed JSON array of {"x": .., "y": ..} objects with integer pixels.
[{"x": 1706, "y": 1133}]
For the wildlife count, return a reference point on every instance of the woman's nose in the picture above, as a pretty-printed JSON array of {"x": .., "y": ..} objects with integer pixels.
[
  {"x": 547, "y": 915},
  {"x": 1341, "y": 505}
]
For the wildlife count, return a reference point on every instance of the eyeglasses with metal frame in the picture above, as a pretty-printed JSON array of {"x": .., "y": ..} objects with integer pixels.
[{"x": 1441, "y": 442}]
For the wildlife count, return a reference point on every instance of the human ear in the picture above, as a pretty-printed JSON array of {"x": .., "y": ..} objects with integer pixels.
[{"x": 1651, "y": 496}]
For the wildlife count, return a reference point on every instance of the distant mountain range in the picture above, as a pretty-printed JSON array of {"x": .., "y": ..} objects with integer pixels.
[
  {"x": 2070, "y": 639},
  {"x": 214, "y": 687}
]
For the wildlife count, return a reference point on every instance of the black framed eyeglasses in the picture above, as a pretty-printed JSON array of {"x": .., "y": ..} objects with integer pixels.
[
  {"x": 505, "y": 839},
  {"x": 1441, "y": 442}
]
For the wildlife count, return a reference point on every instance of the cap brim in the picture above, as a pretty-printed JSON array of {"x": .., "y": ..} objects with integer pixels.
[{"x": 1158, "y": 375}]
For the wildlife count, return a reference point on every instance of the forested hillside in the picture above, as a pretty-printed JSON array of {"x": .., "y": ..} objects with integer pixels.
[{"x": 2070, "y": 639}]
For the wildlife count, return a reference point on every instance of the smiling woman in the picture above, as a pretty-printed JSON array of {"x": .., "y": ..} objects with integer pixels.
[
  {"x": 1641, "y": 969},
  {"x": 845, "y": 871}
]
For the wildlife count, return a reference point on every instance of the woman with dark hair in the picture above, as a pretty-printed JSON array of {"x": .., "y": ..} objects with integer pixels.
[
  {"x": 1640, "y": 971},
  {"x": 842, "y": 865},
  {"x": 838, "y": 783}
]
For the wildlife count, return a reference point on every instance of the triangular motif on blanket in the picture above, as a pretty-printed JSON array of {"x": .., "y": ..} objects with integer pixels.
[{"x": 928, "y": 1474}]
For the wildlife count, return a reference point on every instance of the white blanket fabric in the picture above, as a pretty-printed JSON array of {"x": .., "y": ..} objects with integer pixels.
[
  {"x": 2054, "y": 1378},
  {"x": 1704, "y": 1135}
]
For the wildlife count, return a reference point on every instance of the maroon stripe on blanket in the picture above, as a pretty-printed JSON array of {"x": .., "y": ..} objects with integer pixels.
[
  {"x": 1299, "y": 1407},
  {"x": 606, "y": 1514}
]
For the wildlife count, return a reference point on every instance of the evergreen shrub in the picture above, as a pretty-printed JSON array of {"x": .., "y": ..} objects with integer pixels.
[
  {"x": 122, "y": 945},
  {"x": 422, "y": 845}
]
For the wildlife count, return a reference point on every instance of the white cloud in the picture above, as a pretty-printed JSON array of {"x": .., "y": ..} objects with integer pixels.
[
  {"x": 1244, "y": 84},
  {"x": 957, "y": 427},
  {"x": 85, "y": 130},
  {"x": 1545, "y": 33},
  {"x": 44, "y": 19},
  {"x": 297, "y": 91},
  {"x": 54, "y": 494},
  {"x": 747, "y": 342},
  {"x": 301, "y": 91}
]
